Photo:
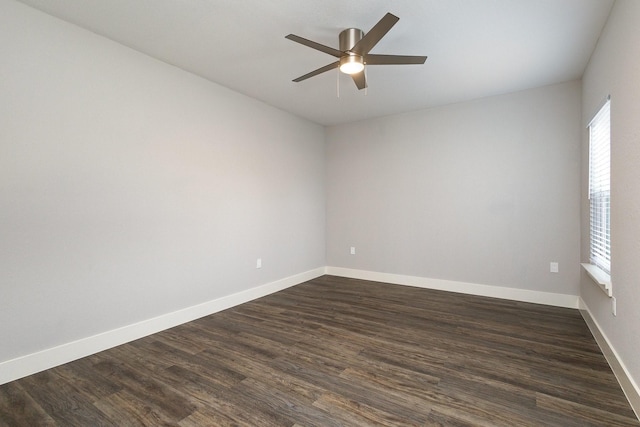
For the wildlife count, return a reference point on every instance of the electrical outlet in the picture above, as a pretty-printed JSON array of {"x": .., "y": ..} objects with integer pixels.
[
  {"x": 553, "y": 267},
  {"x": 614, "y": 309},
  {"x": 259, "y": 263},
  {"x": 353, "y": 250}
]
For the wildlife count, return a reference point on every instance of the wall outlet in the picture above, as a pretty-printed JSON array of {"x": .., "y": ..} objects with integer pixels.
[
  {"x": 259, "y": 263},
  {"x": 614, "y": 309},
  {"x": 353, "y": 250},
  {"x": 553, "y": 267}
]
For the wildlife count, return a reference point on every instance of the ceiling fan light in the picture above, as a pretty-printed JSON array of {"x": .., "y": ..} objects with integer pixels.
[{"x": 351, "y": 64}]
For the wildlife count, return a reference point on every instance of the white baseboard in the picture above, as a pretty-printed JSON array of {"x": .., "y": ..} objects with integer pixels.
[
  {"x": 523, "y": 295},
  {"x": 629, "y": 386},
  {"x": 23, "y": 366}
]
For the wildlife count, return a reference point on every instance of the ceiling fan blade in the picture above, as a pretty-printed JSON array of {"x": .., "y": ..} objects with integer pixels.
[
  {"x": 317, "y": 46},
  {"x": 375, "y": 34},
  {"x": 360, "y": 80},
  {"x": 393, "y": 59},
  {"x": 318, "y": 71}
]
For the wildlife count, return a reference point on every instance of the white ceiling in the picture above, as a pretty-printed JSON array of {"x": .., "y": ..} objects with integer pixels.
[{"x": 476, "y": 48}]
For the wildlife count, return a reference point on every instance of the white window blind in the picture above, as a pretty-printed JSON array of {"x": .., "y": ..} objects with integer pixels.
[{"x": 600, "y": 189}]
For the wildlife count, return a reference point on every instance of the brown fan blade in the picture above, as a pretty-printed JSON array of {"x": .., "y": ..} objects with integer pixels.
[
  {"x": 318, "y": 71},
  {"x": 317, "y": 46},
  {"x": 375, "y": 34},
  {"x": 393, "y": 59},
  {"x": 359, "y": 79}
]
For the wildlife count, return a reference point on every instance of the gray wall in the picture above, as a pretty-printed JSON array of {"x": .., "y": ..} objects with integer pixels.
[
  {"x": 130, "y": 188},
  {"x": 484, "y": 192},
  {"x": 614, "y": 69}
]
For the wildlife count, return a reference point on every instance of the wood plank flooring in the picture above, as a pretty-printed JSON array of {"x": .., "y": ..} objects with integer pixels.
[{"x": 340, "y": 352}]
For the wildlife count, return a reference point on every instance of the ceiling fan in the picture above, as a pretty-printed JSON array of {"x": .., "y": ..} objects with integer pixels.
[{"x": 354, "y": 54}]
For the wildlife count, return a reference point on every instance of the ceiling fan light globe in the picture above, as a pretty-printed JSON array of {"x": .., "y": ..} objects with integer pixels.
[{"x": 351, "y": 64}]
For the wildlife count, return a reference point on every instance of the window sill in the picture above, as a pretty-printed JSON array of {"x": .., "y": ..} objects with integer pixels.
[{"x": 602, "y": 279}]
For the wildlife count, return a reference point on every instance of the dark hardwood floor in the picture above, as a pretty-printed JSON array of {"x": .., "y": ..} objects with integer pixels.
[{"x": 337, "y": 352}]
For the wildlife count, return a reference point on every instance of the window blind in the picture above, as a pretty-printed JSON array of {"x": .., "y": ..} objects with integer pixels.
[{"x": 600, "y": 189}]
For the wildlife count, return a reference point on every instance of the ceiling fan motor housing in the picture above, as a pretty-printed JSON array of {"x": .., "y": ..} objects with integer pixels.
[
  {"x": 350, "y": 62},
  {"x": 349, "y": 38}
]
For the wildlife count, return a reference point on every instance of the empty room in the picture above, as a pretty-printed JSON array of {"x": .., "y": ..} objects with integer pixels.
[{"x": 337, "y": 213}]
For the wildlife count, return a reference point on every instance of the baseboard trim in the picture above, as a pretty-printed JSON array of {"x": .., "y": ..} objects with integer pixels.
[
  {"x": 23, "y": 366},
  {"x": 629, "y": 386},
  {"x": 523, "y": 295}
]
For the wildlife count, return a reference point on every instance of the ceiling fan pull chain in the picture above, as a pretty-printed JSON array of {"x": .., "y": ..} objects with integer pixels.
[{"x": 338, "y": 83}]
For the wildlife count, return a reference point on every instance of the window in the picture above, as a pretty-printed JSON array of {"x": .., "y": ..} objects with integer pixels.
[{"x": 600, "y": 189}]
